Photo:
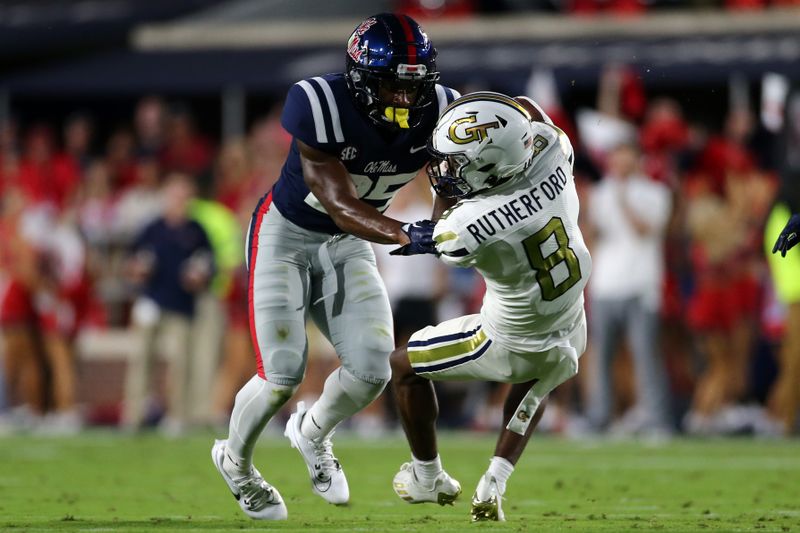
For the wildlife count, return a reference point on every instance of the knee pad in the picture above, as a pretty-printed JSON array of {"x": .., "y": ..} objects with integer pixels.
[
  {"x": 257, "y": 391},
  {"x": 368, "y": 359},
  {"x": 360, "y": 391},
  {"x": 284, "y": 366}
]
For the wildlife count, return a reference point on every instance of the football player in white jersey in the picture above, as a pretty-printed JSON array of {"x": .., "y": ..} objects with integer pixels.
[{"x": 516, "y": 222}]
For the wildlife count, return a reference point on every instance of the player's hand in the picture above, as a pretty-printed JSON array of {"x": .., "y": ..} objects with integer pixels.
[
  {"x": 789, "y": 236},
  {"x": 421, "y": 236}
]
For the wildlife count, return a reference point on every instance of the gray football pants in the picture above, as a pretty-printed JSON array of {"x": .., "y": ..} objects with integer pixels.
[{"x": 295, "y": 273}]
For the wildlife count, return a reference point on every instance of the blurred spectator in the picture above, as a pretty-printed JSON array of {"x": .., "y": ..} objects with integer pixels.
[
  {"x": 171, "y": 263},
  {"x": 268, "y": 145},
  {"x": 665, "y": 138},
  {"x": 607, "y": 7},
  {"x": 185, "y": 150},
  {"x": 63, "y": 301},
  {"x": 727, "y": 200},
  {"x": 120, "y": 159},
  {"x": 41, "y": 177},
  {"x": 227, "y": 243},
  {"x": 150, "y": 124},
  {"x": 234, "y": 176},
  {"x": 139, "y": 204},
  {"x": 422, "y": 9},
  {"x": 78, "y": 132},
  {"x": 19, "y": 329},
  {"x": 629, "y": 213},
  {"x": 46, "y": 298},
  {"x": 95, "y": 205},
  {"x": 784, "y": 399}
]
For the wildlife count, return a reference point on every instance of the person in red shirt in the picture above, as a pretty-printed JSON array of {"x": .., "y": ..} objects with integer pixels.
[
  {"x": 185, "y": 150},
  {"x": 41, "y": 177}
]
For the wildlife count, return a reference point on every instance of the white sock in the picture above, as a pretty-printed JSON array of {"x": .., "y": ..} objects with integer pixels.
[
  {"x": 427, "y": 471},
  {"x": 256, "y": 403},
  {"x": 501, "y": 469},
  {"x": 343, "y": 396}
]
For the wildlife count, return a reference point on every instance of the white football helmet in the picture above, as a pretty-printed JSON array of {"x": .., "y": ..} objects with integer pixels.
[{"x": 481, "y": 140}]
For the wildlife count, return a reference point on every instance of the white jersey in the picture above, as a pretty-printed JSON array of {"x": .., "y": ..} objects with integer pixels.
[{"x": 523, "y": 238}]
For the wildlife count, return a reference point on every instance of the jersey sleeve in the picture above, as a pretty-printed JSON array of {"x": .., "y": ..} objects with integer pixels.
[
  {"x": 304, "y": 117},
  {"x": 451, "y": 243}
]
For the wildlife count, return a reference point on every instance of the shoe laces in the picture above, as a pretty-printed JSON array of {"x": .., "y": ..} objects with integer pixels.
[
  {"x": 326, "y": 461},
  {"x": 256, "y": 492}
]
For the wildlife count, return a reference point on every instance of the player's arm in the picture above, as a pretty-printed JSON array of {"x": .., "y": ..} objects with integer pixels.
[
  {"x": 537, "y": 113},
  {"x": 440, "y": 205},
  {"x": 331, "y": 184},
  {"x": 451, "y": 245}
]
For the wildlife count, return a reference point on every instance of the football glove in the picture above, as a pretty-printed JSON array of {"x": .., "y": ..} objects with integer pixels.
[
  {"x": 421, "y": 235},
  {"x": 789, "y": 236}
]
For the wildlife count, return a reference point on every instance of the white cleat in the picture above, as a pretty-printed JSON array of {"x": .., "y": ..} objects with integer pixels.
[
  {"x": 445, "y": 489},
  {"x": 487, "y": 501},
  {"x": 258, "y": 499},
  {"x": 327, "y": 477}
]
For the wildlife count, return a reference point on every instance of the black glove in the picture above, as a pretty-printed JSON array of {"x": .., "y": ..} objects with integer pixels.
[
  {"x": 421, "y": 235},
  {"x": 789, "y": 236}
]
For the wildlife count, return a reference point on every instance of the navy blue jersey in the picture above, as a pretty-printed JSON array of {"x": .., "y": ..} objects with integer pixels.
[{"x": 320, "y": 112}]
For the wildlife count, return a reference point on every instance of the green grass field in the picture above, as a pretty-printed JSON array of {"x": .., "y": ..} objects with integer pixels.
[{"x": 105, "y": 482}]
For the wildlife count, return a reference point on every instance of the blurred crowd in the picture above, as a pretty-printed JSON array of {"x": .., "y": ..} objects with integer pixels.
[
  {"x": 436, "y": 8},
  {"x": 133, "y": 244}
]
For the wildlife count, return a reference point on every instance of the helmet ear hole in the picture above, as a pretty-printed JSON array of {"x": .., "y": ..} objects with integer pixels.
[{"x": 486, "y": 168}]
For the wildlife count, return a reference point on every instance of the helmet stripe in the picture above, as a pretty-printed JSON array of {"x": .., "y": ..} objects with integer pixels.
[
  {"x": 409, "y": 33},
  {"x": 494, "y": 97}
]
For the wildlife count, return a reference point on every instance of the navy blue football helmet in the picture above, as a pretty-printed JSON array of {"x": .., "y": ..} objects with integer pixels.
[{"x": 389, "y": 54}]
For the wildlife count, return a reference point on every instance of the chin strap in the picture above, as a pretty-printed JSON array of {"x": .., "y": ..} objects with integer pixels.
[{"x": 398, "y": 115}]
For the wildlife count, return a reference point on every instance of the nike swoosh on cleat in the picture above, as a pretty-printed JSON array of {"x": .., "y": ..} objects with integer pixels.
[
  {"x": 322, "y": 486},
  {"x": 315, "y": 422},
  {"x": 415, "y": 149}
]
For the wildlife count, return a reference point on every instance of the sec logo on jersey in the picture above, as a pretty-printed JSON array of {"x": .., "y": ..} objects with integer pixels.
[{"x": 349, "y": 153}]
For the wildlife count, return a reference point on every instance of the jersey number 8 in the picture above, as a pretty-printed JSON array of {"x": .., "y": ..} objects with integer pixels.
[{"x": 544, "y": 265}]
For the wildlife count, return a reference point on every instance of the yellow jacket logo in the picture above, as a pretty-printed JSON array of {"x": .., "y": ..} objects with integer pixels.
[{"x": 471, "y": 133}]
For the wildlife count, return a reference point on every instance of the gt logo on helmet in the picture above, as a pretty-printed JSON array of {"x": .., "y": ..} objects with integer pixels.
[{"x": 471, "y": 133}]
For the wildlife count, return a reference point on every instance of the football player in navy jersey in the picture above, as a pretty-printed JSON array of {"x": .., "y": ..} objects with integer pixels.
[{"x": 358, "y": 137}]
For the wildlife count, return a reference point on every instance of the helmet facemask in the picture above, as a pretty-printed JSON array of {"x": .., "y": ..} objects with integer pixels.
[
  {"x": 481, "y": 141},
  {"x": 368, "y": 84},
  {"x": 446, "y": 173}
]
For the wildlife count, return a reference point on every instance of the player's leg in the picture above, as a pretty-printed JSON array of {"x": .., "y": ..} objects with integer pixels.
[
  {"x": 353, "y": 312},
  {"x": 487, "y": 500},
  {"x": 450, "y": 350},
  {"x": 423, "y": 479},
  {"x": 535, "y": 376},
  {"x": 417, "y": 406},
  {"x": 278, "y": 297}
]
